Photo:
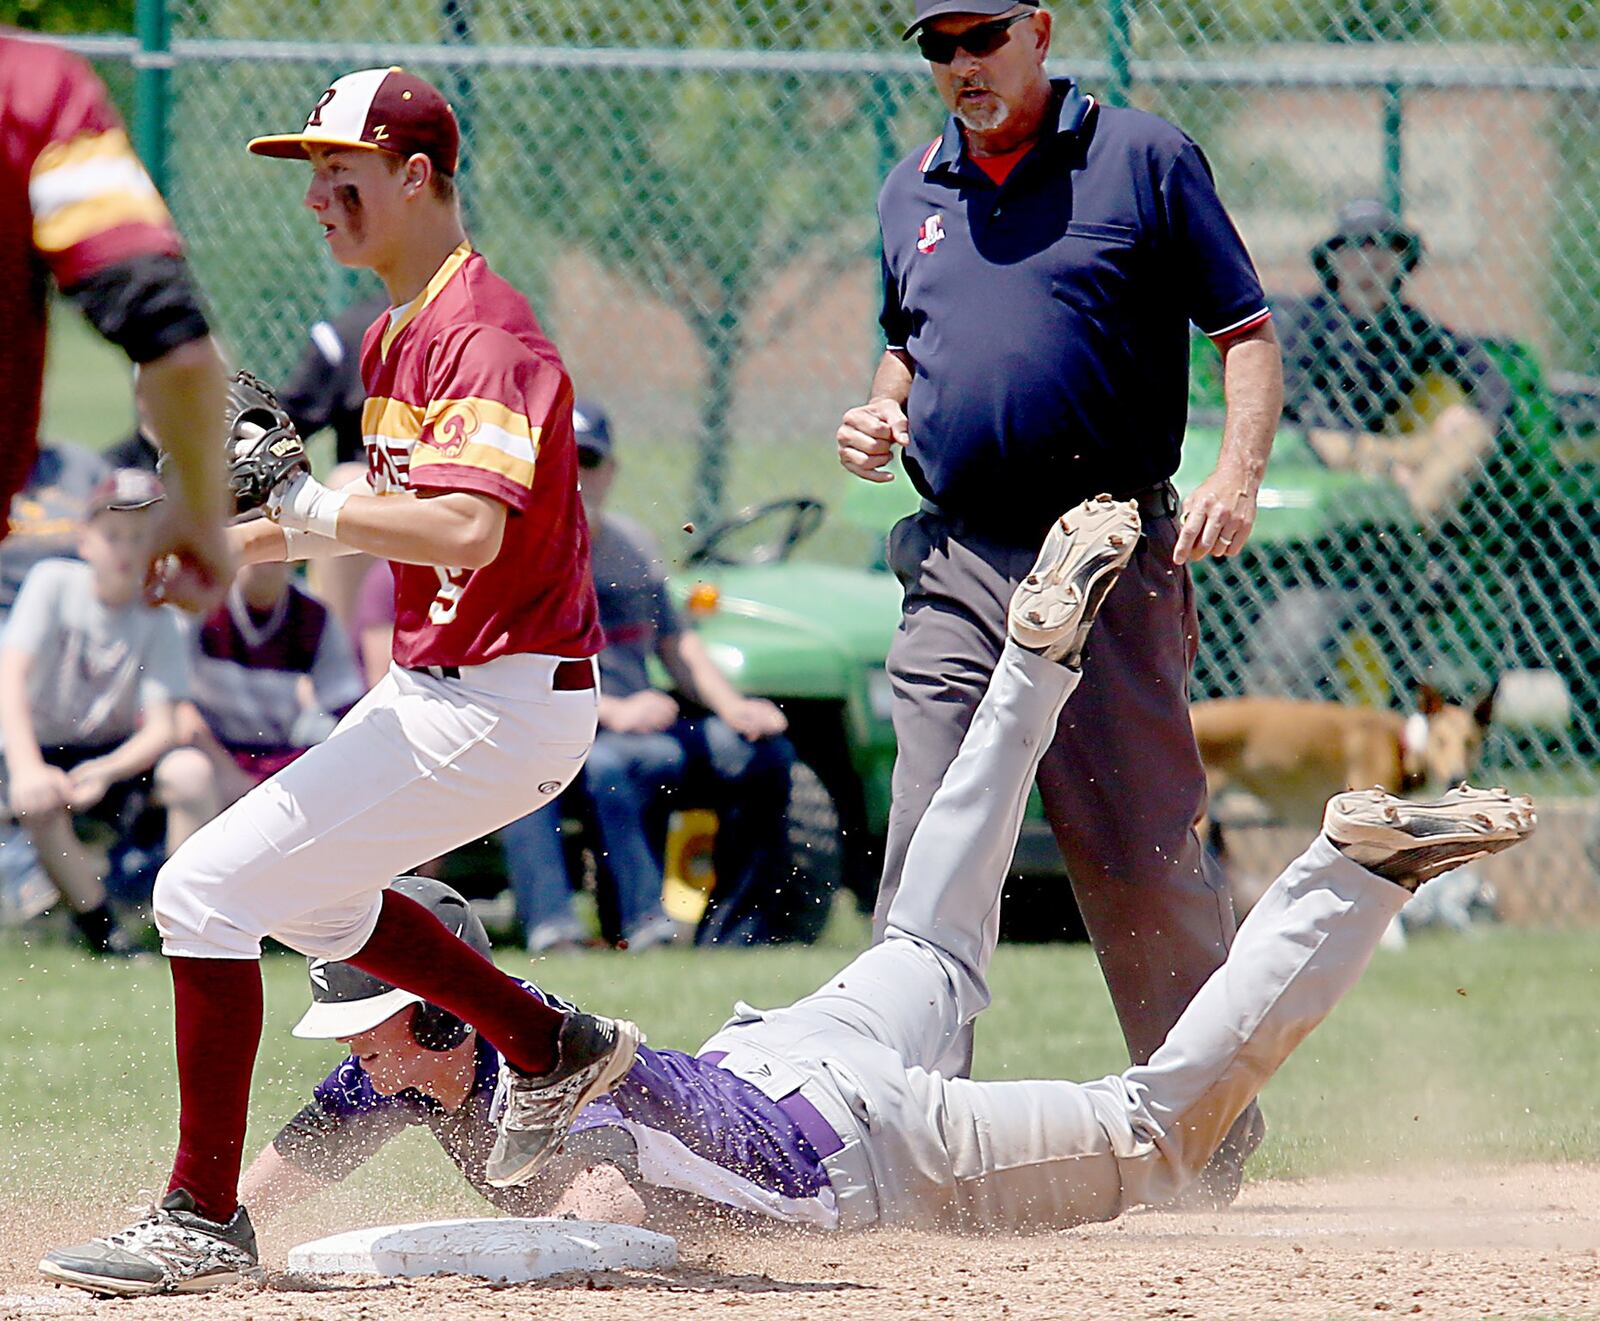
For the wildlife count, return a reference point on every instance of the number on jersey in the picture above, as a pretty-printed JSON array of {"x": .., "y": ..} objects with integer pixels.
[{"x": 452, "y": 582}]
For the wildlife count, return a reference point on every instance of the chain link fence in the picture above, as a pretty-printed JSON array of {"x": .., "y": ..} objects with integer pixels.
[{"x": 686, "y": 191}]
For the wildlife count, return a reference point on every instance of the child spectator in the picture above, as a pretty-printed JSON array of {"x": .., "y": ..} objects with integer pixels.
[
  {"x": 46, "y": 516},
  {"x": 272, "y": 673},
  {"x": 89, "y": 675}
]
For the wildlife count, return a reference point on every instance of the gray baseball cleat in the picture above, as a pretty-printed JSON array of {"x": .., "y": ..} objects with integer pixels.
[
  {"x": 1409, "y": 843},
  {"x": 1085, "y": 550},
  {"x": 173, "y": 1250},
  {"x": 533, "y": 1114}
]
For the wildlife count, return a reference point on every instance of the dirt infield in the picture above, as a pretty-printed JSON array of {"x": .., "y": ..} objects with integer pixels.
[{"x": 1516, "y": 1242}]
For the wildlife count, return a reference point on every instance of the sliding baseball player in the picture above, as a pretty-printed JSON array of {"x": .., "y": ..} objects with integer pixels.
[{"x": 826, "y": 1113}]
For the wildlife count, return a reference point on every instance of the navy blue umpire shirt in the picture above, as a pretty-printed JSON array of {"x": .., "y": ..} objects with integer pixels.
[{"x": 1048, "y": 317}]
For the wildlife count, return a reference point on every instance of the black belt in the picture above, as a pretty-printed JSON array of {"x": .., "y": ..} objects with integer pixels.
[
  {"x": 1158, "y": 501},
  {"x": 570, "y": 675}
]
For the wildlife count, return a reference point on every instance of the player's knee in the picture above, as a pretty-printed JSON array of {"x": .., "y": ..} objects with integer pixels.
[
  {"x": 185, "y": 778},
  {"x": 175, "y": 903}
]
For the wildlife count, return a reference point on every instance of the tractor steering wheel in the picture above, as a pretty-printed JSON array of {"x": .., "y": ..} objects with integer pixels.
[{"x": 780, "y": 525}]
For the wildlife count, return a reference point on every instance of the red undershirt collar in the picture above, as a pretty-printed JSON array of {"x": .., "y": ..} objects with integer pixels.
[{"x": 999, "y": 168}]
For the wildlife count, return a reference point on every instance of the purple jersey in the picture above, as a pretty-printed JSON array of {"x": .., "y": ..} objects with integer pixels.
[{"x": 698, "y": 1129}]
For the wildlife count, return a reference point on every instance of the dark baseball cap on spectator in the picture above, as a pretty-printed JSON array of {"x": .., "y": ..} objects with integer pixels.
[
  {"x": 125, "y": 489},
  {"x": 591, "y": 428},
  {"x": 1368, "y": 221},
  {"x": 929, "y": 9},
  {"x": 376, "y": 110}
]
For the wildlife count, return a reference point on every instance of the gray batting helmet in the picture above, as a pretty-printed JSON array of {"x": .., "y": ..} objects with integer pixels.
[{"x": 346, "y": 1002}]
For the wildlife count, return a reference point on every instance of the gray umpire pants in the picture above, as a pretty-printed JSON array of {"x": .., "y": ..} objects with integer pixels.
[
  {"x": 1122, "y": 781},
  {"x": 926, "y": 1150}
]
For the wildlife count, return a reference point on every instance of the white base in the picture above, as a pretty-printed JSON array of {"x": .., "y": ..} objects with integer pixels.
[{"x": 505, "y": 1249}]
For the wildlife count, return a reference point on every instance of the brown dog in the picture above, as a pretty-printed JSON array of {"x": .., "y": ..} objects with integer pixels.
[{"x": 1293, "y": 756}]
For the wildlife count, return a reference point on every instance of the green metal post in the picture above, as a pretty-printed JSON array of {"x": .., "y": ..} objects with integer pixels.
[
  {"x": 883, "y": 108},
  {"x": 151, "y": 86},
  {"x": 1119, "y": 50},
  {"x": 1393, "y": 149},
  {"x": 456, "y": 17}
]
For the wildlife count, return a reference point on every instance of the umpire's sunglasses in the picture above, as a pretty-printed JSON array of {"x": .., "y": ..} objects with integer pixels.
[{"x": 979, "y": 41}]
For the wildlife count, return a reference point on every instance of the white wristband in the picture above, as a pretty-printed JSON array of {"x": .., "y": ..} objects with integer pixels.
[{"x": 307, "y": 504}]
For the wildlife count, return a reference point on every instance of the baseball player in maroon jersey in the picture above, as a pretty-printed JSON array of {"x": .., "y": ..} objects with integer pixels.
[
  {"x": 487, "y": 711},
  {"x": 76, "y": 206}
]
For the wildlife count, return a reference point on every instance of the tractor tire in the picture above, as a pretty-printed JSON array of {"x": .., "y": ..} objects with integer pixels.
[{"x": 804, "y": 899}]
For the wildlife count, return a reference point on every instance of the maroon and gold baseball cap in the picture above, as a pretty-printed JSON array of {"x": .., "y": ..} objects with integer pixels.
[{"x": 378, "y": 110}]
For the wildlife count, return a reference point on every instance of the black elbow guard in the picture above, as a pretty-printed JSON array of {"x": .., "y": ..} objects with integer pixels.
[{"x": 146, "y": 306}]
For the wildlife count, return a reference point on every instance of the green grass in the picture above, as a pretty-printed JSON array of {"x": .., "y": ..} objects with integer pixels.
[{"x": 1408, "y": 1070}]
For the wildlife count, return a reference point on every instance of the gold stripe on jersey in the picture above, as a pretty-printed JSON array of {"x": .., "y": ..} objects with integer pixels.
[
  {"x": 480, "y": 433},
  {"x": 391, "y": 419},
  {"x": 471, "y": 431},
  {"x": 465, "y": 415},
  {"x": 441, "y": 277},
  {"x": 71, "y": 225},
  {"x": 483, "y": 453},
  {"x": 456, "y": 420},
  {"x": 87, "y": 185},
  {"x": 82, "y": 149}
]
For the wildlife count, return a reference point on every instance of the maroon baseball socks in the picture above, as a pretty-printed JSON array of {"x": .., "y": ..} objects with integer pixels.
[{"x": 219, "y": 1011}]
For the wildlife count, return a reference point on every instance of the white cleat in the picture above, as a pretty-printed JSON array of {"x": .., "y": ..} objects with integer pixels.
[
  {"x": 1086, "y": 549},
  {"x": 1409, "y": 843}
]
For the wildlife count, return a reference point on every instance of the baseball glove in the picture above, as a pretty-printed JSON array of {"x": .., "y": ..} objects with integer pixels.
[{"x": 263, "y": 448}]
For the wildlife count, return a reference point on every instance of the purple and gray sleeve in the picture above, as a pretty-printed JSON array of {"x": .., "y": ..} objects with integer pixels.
[{"x": 343, "y": 1126}]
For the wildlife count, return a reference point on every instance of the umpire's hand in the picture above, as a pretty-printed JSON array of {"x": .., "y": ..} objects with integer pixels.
[
  {"x": 1217, "y": 517},
  {"x": 867, "y": 438}
]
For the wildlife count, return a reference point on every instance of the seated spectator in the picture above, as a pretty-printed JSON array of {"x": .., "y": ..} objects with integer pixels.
[
  {"x": 733, "y": 757},
  {"x": 89, "y": 676},
  {"x": 272, "y": 673},
  {"x": 47, "y": 514},
  {"x": 1379, "y": 386}
]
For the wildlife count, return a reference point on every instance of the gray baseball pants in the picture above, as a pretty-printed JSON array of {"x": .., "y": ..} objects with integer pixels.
[
  {"x": 1122, "y": 782},
  {"x": 926, "y": 1150}
]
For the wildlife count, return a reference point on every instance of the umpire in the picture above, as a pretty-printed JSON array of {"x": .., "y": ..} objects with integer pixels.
[{"x": 1043, "y": 260}]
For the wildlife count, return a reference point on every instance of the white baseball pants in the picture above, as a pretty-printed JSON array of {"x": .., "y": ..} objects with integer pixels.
[
  {"x": 924, "y": 1150},
  {"x": 419, "y": 766}
]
